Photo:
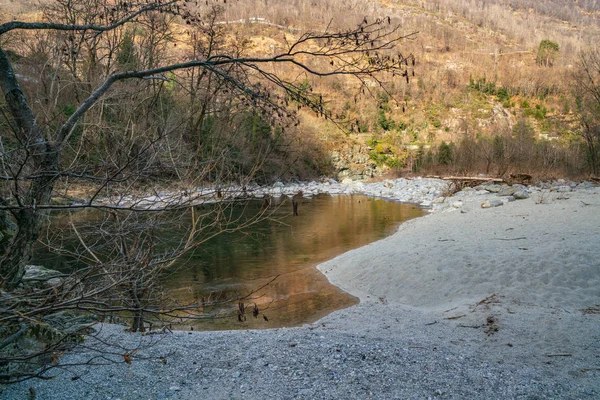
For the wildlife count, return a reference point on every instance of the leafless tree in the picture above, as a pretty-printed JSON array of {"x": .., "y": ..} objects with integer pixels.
[
  {"x": 110, "y": 123},
  {"x": 587, "y": 97}
]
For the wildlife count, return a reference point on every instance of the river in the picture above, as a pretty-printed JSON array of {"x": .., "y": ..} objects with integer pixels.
[{"x": 281, "y": 252}]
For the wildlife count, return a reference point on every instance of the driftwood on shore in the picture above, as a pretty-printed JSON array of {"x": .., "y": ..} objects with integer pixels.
[{"x": 466, "y": 178}]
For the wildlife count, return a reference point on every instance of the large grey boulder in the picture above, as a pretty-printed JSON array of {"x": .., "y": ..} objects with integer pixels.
[{"x": 507, "y": 191}]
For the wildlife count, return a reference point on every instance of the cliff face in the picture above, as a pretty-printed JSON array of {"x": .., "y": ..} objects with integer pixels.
[{"x": 352, "y": 161}]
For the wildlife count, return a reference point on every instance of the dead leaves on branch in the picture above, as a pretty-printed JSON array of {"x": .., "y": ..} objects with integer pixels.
[
  {"x": 241, "y": 312},
  {"x": 128, "y": 356}
]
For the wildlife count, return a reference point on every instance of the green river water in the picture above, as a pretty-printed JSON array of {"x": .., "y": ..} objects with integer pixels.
[{"x": 284, "y": 247}]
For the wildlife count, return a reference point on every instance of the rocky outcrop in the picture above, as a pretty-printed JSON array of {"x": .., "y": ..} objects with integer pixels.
[{"x": 353, "y": 162}]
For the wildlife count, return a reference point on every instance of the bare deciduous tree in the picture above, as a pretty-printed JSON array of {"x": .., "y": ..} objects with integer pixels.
[
  {"x": 118, "y": 117},
  {"x": 587, "y": 98}
]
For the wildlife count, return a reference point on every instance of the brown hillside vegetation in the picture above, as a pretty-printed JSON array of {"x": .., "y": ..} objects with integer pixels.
[{"x": 478, "y": 73}]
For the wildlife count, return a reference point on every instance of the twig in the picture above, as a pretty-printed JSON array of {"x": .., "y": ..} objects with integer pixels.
[
  {"x": 470, "y": 326},
  {"x": 590, "y": 369},
  {"x": 519, "y": 238},
  {"x": 457, "y": 316},
  {"x": 431, "y": 323},
  {"x": 491, "y": 298},
  {"x": 559, "y": 355},
  {"x": 91, "y": 253}
]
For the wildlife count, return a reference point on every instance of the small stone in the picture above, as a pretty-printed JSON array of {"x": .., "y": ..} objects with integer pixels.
[{"x": 491, "y": 203}]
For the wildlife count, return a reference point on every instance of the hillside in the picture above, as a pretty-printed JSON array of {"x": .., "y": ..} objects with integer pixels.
[{"x": 478, "y": 73}]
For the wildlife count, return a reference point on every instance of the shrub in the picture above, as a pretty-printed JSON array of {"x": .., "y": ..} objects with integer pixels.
[{"x": 445, "y": 153}]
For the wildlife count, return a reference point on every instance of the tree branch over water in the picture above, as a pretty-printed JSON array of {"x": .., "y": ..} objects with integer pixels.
[{"x": 112, "y": 115}]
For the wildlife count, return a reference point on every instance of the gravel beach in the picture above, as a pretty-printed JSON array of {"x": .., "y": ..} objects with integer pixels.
[{"x": 468, "y": 302}]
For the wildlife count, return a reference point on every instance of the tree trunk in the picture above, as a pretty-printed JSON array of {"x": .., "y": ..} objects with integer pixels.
[
  {"x": 29, "y": 221},
  {"x": 34, "y": 180},
  {"x": 18, "y": 254}
]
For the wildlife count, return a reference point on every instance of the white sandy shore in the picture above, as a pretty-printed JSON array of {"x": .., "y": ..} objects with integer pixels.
[
  {"x": 541, "y": 254},
  {"x": 479, "y": 303}
]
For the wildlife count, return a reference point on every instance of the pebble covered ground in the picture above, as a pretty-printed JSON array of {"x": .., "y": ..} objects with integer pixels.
[{"x": 374, "y": 351}]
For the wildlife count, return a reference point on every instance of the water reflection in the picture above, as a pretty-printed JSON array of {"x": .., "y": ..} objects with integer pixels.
[
  {"x": 284, "y": 247},
  {"x": 288, "y": 248}
]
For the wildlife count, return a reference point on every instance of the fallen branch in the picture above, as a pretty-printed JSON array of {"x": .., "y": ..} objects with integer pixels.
[
  {"x": 519, "y": 238},
  {"x": 467, "y": 178},
  {"x": 470, "y": 326},
  {"x": 559, "y": 355}
]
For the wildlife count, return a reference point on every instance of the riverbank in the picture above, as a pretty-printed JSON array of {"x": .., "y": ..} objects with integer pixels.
[
  {"x": 467, "y": 302},
  {"x": 421, "y": 191}
]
